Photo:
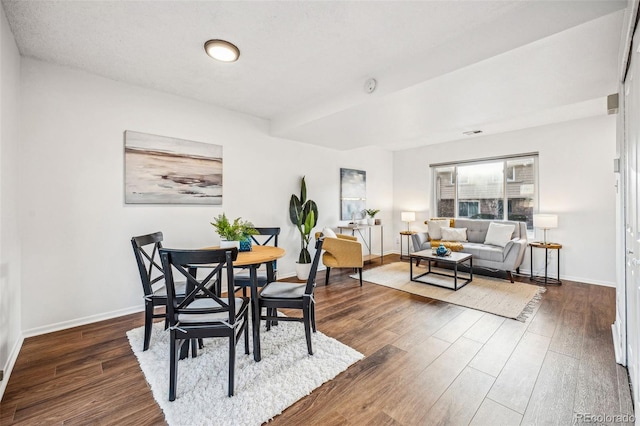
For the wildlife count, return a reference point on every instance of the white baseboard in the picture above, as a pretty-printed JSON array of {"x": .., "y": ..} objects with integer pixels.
[
  {"x": 81, "y": 321},
  {"x": 11, "y": 362},
  {"x": 527, "y": 272}
]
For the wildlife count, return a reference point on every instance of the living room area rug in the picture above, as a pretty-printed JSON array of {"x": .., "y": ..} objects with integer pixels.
[
  {"x": 263, "y": 389},
  {"x": 496, "y": 296}
]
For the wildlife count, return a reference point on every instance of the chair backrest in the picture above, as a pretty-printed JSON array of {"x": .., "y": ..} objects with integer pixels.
[
  {"x": 146, "y": 249},
  {"x": 265, "y": 237},
  {"x": 184, "y": 263},
  {"x": 271, "y": 233},
  {"x": 311, "y": 280}
]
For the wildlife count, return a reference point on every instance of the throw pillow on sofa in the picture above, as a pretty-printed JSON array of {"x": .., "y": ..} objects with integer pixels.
[
  {"x": 454, "y": 234},
  {"x": 435, "y": 226},
  {"x": 328, "y": 232},
  {"x": 499, "y": 234}
]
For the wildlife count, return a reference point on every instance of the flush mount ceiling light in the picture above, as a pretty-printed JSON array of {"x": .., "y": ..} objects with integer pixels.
[{"x": 222, "y": 50}]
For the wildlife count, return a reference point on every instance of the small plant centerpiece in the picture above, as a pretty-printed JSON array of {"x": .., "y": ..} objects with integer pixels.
[
  {"x": 303, "y": 214},
  {"x": 371, "y": 213},
  {"x": 237, "y": 234}
]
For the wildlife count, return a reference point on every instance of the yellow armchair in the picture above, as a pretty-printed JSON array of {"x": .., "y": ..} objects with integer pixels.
[{"x": 344, "y": 251}]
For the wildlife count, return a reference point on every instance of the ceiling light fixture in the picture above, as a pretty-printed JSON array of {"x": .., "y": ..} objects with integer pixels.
[
  {"x": 472, "y": 132},
  {"x": 222, "y": 50}
]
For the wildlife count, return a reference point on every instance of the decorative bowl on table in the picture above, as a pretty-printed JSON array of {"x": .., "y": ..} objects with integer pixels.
[{"x": 441, "y": 251}]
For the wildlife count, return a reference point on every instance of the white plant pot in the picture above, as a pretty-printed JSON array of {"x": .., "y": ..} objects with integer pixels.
[
  {"x": 303, "y": 270},
  {"x": 371, "y": 221},
  {"x": 229, "y": 244}
]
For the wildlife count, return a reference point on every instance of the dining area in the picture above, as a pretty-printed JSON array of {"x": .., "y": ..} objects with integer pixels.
[{"x": 219, "y": 292}]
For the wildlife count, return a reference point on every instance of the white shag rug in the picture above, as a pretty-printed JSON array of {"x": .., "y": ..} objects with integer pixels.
[{"x": 263, "y": 389}]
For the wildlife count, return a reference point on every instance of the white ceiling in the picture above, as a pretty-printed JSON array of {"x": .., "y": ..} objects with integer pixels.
[{"x": 443, "y": 67}]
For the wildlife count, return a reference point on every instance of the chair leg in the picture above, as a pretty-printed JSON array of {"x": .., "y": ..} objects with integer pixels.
[
  {"x": 326, "y": 277},
  {"x": 306, "y": 314},
  {"x": 417, "y": 262},
  {"x": 194, "y": 348},
  {"x": 148, "y": 324},
  {"x": 313, "y": 316},
  {"x": 246, "y": 333},
  {"x": 268, "y": 322},
  {"x": 232, "y": 360},
  {"x": 360, "y": 275},
  {"x": 173, "y": 366}
]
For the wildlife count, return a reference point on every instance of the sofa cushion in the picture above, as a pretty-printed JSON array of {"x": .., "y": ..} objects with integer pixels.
[
  {"x": 484, "y": 252},
  {"x": 434, "y": 228},
  {"x": 454, "y": 234},
  {"x": 499, "y": 234}
]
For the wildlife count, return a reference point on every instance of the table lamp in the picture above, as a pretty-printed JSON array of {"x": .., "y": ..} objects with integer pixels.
[
  {"x": 408, "y": 217},
  {"x": 545, "y": 221}
]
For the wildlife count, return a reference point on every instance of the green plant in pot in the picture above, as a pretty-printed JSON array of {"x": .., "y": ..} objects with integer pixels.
[
  {"x": 371, "y": 213},
  {"x": 303, "y": 214},
  {"x": 233, "y": 234}
]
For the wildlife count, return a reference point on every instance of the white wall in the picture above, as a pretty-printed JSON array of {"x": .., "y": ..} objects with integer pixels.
[
  {"x": 77, "y": 260},
  {"x": 576, "y": 181},
  {"x": 10, "y": 327}
]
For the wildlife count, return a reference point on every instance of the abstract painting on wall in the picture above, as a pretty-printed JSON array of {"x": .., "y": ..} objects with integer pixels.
[
  {"x": 164, "y": 170},
  {"x": 353, "y": 194}
]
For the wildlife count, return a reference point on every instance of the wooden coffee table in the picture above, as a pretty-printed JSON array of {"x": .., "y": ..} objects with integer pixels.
[{"x": 454, "y": 259}]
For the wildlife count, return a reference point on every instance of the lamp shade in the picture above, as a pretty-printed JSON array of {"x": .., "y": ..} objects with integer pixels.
[
  {"x": 545, "y": 221},
  {"x": 408, "y": 216}
]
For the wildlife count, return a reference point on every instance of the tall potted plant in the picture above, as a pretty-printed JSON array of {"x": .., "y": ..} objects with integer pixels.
[{"x": 303, "y": 214}]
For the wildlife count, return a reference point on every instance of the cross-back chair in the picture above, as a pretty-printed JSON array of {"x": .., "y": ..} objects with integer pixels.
[
  {"x": 202, "y": 313},
  {"x": 265, "y": 236},
  {"x": 276, "y": 295},
  {"x": 146, "y": 249}
]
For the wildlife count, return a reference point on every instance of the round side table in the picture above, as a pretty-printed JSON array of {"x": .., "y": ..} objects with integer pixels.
[
  {"x": 407, "y": 234},
  {"x": 546, "y": 246}
]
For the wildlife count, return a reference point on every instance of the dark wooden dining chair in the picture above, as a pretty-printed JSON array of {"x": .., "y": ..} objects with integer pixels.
[
  {"x": 146, "y": 249},
  {"x": 202, "y": 313},
  {"x": 276, "y": 295},
  {"x": 265, "y": 236}
]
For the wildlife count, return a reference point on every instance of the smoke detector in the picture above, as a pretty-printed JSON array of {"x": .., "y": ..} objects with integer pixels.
[{"x": 370, "y": 85}]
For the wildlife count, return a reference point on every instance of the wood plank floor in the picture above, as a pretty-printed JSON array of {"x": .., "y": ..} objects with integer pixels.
[{"x": 427, "y": 363}]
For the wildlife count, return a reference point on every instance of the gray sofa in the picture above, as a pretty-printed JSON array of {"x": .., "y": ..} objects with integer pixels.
[{"x": 506, "y": 258}]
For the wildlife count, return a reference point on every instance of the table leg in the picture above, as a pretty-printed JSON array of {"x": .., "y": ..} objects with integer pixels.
[
  {"x": 531, "y": 261},
  {"x": 455, "y": 276},
  {"x": 410, "y": 266},
  {"x": 546, "y": 264},
  {"x": 255, "y": 313}
]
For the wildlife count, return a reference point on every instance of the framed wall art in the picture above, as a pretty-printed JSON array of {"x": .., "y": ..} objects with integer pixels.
[
  {"x": 165, "y": 170},
  {"x": 353, "y": 194}
]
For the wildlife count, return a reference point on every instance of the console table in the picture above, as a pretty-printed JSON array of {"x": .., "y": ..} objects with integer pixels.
[
  {"x": 546, "y": 246},
  {"x": 364, "y": 232}
]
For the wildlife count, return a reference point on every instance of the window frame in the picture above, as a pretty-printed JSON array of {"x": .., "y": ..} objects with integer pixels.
[{"x": 455, "y": 181}]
